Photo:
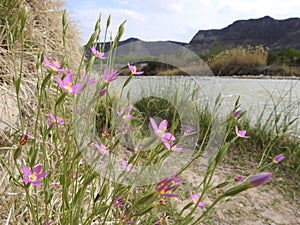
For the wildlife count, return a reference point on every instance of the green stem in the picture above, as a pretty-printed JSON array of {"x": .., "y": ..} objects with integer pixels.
[{"x": 208, "y": 210}]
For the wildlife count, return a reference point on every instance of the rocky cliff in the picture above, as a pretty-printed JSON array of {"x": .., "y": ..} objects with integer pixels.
[{"x": 273, "y": 34}]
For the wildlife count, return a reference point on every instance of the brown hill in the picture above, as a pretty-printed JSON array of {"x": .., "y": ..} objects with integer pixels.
[{"x": 273, "y": 34}]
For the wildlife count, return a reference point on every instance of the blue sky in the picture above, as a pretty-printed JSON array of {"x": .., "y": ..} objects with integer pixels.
[{"x": 176, "y": 20}]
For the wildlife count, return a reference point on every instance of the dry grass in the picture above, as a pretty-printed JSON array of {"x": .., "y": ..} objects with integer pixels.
[
  {"x": 43, "y": 32},
  {"x": 240, "y": 56}
]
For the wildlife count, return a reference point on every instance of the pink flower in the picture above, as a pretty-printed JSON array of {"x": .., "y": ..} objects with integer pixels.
[
  {"x": 102, "y": 149},
  {"x": 54, "y": 120},
  {"x": 189, "y": 131},
  {"x": 34, "y": 176},
  {"x": 237, "y": 113},
  {"x": 241, "y": 133},
  {"x": 127, "y": 167},
  {"x": 66, "y": 84},
  {"x": 133, "y": 70},
  {"x": 166, "y": 185},
  {"x": 175, "y": 148},
  {"x": 195, "y": 199},
  {"x": 117, "y": 202},
  {"x": 126, "y": 113},
  {"x": 97, "y": 53},
  {"x": 109, "y": 77},
  {"x": 170, "y": 146},
  {"x": 86, "y": 79},
  {"x": 24, "y": 138},
  {"x": 160, "y": 131},
  {"x": 278, "y": 158},
  {"x": 55, "y": 67}
]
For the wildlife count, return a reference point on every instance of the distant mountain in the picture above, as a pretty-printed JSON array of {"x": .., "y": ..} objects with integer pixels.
[
  {"x": 133, "y": 46},
  {"x": 273, "y": 34}
]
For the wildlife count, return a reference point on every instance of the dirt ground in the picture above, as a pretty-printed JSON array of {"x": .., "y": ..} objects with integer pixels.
[{"x": 270, "y": 204}]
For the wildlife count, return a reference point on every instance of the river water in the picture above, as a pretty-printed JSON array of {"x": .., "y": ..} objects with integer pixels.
[{"x": 259, "y": 97}]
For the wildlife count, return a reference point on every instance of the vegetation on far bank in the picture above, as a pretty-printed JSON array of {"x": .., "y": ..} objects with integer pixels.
[{"x": 238, "y": 61}]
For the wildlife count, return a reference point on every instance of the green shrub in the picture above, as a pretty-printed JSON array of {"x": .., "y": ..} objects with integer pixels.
[{"x": 288, "y": 56}]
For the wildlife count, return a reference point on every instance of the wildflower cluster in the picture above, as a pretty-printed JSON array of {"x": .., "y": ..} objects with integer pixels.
[{"x": 80, "y": 178}]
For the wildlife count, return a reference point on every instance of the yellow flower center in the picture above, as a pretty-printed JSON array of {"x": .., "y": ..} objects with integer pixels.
[
  {"x": 161, "y": 133},
  {"x": 162, "y": 192},
  {"x": 32, "y": 177},
  {"x": 68, "y": 87}
]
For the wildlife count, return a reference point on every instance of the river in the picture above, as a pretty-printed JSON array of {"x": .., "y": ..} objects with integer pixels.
[{"x": 257, "y": 96}]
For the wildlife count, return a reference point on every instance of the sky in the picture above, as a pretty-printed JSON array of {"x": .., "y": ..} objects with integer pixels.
[{"x": 177, "y": 20}]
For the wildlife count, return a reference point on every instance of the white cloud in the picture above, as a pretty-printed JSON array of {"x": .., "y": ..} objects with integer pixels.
[
  {"x": 179, "y": 20},
  {"x": 87, "y": 18}
]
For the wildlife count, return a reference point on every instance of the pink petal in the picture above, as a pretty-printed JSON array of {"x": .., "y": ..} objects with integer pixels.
[
  {"x": 242, "y": 132},
  {"x": 41, "y": 175},
  {"x": 154, "y": 125},
  {"x": 106, "y": 74},
  {"x": 166, "y": 143},
  {"x": 124, "y": 164},
  {"x": 102, "y": 92},
  {"x": 26, "y": 180},
  {"x": 163, "y": 125},
  {"x": 37, "y": 168},
  {"x": 68, "y": 79},
  {"x": 236, "y": 130},
  {"x": 46, "y": 60},
  {"x": 59, "y": 81},
  {"x": 52, "y": 117},
  {"x": 201, "y": 204},
  {"x": 76, "y": 88},
  {"x": 169, "y": 136},
  {"x": 26, "y": 171},
  {"x": 59, "y": 120},
  {"x": 191, "y": 194},
  {"x": 93, "y": 49},
  {"x": 36, "y": 183}
]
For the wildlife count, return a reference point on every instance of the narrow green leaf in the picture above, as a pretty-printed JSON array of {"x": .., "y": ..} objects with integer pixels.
[
  {"x": 127, "y": 81},
  {"x": 17, "y": 83},
  {"x": 187, "y": 206},
  {"x": 32, "y": 156},
  {"x": 91, "y": 40},
  {"x": 46, "y": 80},
  {"x": 102, "y": 209},
  {"x": 90, "y": 179},
  {"x": 17, "y": 153},
  {"x": 76, "y": 197},
  {"x": 146, "y": 198},
  {"x": 60, "y": 99},
  {"x": 143, "y": 211}
]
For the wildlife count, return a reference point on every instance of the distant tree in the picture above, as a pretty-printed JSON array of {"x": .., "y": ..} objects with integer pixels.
[{"x": 288, "y": 56}]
